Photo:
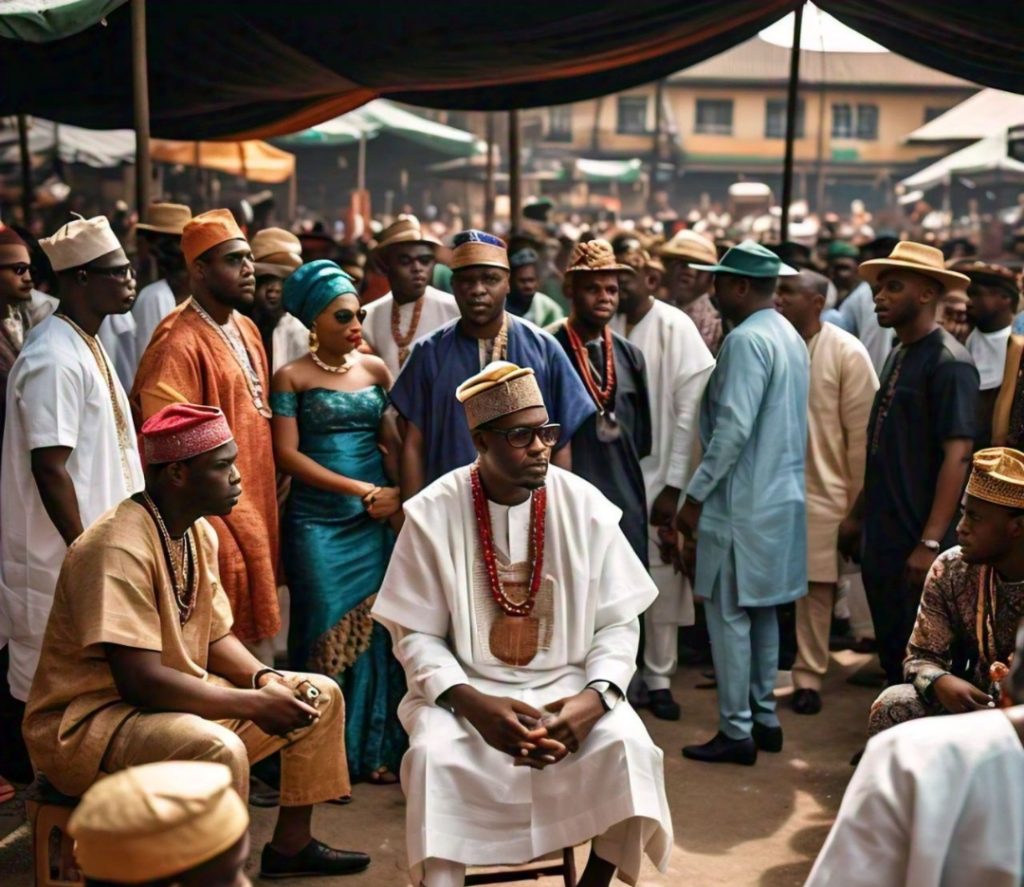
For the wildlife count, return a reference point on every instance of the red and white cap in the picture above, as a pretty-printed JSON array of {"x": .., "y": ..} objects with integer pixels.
[{"x": 182, "y": 431}]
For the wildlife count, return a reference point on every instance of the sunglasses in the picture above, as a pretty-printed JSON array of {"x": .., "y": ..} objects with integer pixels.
[
  {"x": 346, "y": 315},
  {"x": 121, "y": 272},
  {"x": 520, "y": 438},
  {"x": 20, "y": 269}
]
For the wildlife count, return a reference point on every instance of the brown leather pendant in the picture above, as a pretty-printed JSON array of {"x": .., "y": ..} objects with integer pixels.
[{"x": 514, "y": 639}]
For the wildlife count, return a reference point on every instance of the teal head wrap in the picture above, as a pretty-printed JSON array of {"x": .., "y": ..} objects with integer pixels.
[{"x": 312, "y": 287}]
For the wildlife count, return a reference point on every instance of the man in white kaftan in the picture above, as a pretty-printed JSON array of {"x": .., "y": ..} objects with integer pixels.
[
  {"x": 468, "y": 801},
  {"x": 68, "y": 421},
  {"x": 679, "y": 365}
]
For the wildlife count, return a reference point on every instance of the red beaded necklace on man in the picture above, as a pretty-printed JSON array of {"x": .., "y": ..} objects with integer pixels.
[{"x": 603, "y": 397}]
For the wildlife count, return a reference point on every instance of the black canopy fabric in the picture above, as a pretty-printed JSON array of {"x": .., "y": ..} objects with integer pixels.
[{"x": 235, "y": 68}]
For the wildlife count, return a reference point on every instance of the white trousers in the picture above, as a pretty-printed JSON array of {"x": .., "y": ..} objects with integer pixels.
[{"x": 672, "y": 608}]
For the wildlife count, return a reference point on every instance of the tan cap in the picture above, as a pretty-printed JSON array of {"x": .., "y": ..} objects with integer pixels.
[
  {"x": 595, "y": 255},
  {"x": 998, "y": 476},
  {"x": 406, "y": 230},
  {"x": 157, "y": 820},
  {"x": 690, "y": 245},
  {"x": 276, "y": 252},
  {"x": 207, "y": 230},
  {"x": 497, "y": 390},
  {"x": 166, "y": 218},
  {"x": 80, "y": 242},
  {"x": 910, "y": 256}
]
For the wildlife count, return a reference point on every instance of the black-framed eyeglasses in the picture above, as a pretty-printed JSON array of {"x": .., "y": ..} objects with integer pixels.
[
  {"x": 345, "y": 316},
  {"x": 520, "y": 438},
  {"x": 121, "y": 272},
  {"x": 20, "y": 269}
]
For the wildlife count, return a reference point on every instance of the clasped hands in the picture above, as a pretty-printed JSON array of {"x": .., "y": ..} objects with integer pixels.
[
  {"x": 382, "y": 502},
  {"x": 283, "y": 704},
  {"x": 532, "y": 737}
]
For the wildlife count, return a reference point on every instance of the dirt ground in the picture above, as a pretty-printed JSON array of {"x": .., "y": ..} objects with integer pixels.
[{"x": 734, "y": 825}]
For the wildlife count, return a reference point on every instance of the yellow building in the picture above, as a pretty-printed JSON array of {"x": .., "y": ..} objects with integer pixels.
[{"x": 724, "y": 120}]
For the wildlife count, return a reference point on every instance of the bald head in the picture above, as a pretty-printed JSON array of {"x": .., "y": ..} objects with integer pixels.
[
  {"x": 811, "y": 282},
  {"x": 800, "y": 298}
]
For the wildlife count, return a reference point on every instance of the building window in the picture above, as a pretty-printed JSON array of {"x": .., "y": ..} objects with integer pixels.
[
  {"x": 775, "y": 119},
  {"x": 714, "y": 117},
  {"x": 632, "y": 114},
  {"x": 931, "y": 113},
  {"x": 867, "y": 122},
  {"x": 560, "y": 124},
  {"x": 849, "y": 122}
]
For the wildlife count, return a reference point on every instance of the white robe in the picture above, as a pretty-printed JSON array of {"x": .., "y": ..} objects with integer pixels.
[
  {"x": 438, "y": 308},
  {"x": 56, "y": 397},
  {"x": 289, "y": 342},
  {"x": 937, "y": 802},
  {"x": 679, "y": 365},
  {"x": 154, "y": 303},
  {"x": 466, "y": 802},
  {"x": 989, "y": 353}
]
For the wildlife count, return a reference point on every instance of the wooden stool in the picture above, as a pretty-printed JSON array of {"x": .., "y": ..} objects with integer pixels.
[
  {"x": 531, "y": 872},
  {"x": 53, "y": 851}
]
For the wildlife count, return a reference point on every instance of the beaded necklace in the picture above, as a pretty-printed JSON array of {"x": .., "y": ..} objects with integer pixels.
[
  {"x": 404, "y": 340},
  {"x": 181, "y": 561},
  {"x": 498, "y": 345},
  {"x": 237, "y": 348},
  {"x": 603, "y": 397},
  {"x": 120, "y": 421}
]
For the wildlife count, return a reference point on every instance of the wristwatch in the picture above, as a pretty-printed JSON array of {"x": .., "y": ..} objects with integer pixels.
[
  {"x": 607, "y": 692},
  {"x": 932, "y": 545}
]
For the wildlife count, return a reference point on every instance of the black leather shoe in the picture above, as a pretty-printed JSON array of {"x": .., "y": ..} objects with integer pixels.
[
  {"x": 767, "y": 738},
  {"x": 663, "y": 706},
  {"x": 723, "y": 750},
  {"x": 313, "y": 860},
  {"x": 806, "y": 701}
]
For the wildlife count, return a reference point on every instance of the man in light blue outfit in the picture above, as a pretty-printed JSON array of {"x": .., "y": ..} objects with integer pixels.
[{"x": 745, "y": 503}]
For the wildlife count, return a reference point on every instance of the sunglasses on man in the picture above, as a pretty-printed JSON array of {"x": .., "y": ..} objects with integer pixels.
[
  {"x": 521, "y": 437},
  {"x": 20, "y": 269}
]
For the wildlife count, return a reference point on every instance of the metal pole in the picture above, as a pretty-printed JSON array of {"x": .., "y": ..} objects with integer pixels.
[
  {"x": 489, "y": 176},
  {"x": 791, "y": 106},
  {"x": 659, "y": 101},
  {"x": 361, "y": 169},
  {"x": 140, "y": 88},
  {"x": 515, "y": 188},
  {"x": 26, "y": 171}
]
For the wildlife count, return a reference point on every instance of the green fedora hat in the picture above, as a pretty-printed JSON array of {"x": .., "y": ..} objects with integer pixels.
[{"x": 750, "y": 259}]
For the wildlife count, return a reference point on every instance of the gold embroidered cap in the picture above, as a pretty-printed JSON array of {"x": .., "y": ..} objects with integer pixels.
[
  {"x": 150, "y": 822},
  {"x": 497, "y": 390},
  {"x": 998, "y": 476},
  {"x": 595, "y": 255}
]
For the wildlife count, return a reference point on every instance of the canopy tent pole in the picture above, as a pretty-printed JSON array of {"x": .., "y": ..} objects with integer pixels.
[
  {"x": 361, "y": 167},
  {"x": 489, "y": 176},
  {"x": 515, "y": 189},
  {"x": 241, "y": 160},
  {"x": 26, "y": 171},
  {"x": 140, "y": 91},
  {"x": 791, "y": 106}
]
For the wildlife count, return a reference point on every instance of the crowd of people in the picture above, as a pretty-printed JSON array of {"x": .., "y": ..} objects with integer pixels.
[{"x": 485, "y": 502}]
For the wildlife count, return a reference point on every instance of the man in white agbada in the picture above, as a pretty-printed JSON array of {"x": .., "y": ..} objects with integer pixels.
[
  {"x": 411, "y": 308},
  {"x": 679, "y": 365},
  {"x": 69, "y": 449},
  {"x": 513, "y": 601},
  {"x": 936, "y": 802}
]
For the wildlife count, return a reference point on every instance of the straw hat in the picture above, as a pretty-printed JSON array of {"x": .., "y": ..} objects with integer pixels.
[
  {"x": 689, "y": 245},
  {"x": 406, "y": 230},
  {"x": 917, "y": 257},
  {"x": 998, "y": 476},
  {"x": 165, "y": 218},
  {"x": 595, "y": 255},
  {"x": 277, "y": 252}
]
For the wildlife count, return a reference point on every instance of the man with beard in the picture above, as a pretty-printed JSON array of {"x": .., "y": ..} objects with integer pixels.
[
  {"x": 689, "y": 288},
  {"x": 920, "y": 436},
  {"x": 678, "y": 368},
  {"x": 69, "y": 450},
  {"x": 525, "y": 299},
  {"x": 972, "y": 603},
  {"x": 206, "y": 352},
  {"x": 857, "y": 306},
  {"x": 15, "y": 300},
  {"x": 413, "y": 308},
  {"x": 518, "y": 650},
  {"x": 436, "y": 438}
]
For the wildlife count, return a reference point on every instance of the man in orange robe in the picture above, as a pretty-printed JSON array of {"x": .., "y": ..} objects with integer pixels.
[{"x": 205, "y": 352}]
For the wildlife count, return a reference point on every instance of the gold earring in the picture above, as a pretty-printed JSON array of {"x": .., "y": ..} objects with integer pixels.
[{"x": 314, "y": 342}]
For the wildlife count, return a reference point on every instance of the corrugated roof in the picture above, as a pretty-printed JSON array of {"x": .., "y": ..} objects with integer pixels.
[
  {"x": 983, "y": 114},
  {"x": 757, "y": 61}
]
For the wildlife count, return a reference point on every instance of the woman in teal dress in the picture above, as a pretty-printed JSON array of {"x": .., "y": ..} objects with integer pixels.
[{"x": 331, "y": 436}]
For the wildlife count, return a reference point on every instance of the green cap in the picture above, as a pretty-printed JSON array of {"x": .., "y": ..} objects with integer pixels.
[
  {"x": 750, "y": 259},
  {"x": 840, "y": 249}
]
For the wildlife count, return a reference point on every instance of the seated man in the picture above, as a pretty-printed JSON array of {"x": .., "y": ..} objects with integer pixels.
[
  {"x": 935, "y": 804},
  {"x": 179, "y": 822},
  {"x": 513, "y": 606},
  {"x": 139, "y": 663},
  {"x": 972, "y": 602}
]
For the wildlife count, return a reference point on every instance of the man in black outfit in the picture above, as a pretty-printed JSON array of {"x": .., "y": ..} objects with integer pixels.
[{"x": 920, "y": 437}]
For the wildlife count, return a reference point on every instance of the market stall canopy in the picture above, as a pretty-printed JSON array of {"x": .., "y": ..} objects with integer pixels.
[
  {"x": 244, "y": 69},
  {"x": 625, "y": 172},
  {"x": 983, "y": 114},
  {"x": 40, "y": 21},
  {"x": 253, "y": 160},
  {"x": 101, "y": 149},
  {"x": 985, "y": 156},
  {"x": 381, "y": 116}
]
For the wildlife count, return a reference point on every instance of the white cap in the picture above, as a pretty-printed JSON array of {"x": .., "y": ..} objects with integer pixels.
[{"x": 79, "y": 242}]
